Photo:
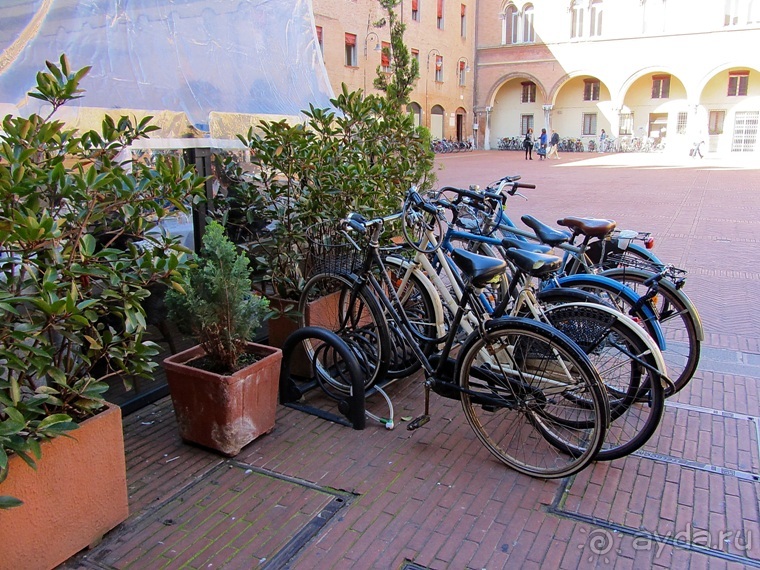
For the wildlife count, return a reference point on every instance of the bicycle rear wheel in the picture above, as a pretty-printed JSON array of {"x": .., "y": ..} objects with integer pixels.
[
  {"x": 336, "y": 302},
  {"x": 679, "y": 322},
  {"x": 629, "y": 364},
  {"x": 523, "y": 377}
]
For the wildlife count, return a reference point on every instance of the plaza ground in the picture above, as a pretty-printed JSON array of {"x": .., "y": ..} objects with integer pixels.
[{"x": 315, "y": 494}]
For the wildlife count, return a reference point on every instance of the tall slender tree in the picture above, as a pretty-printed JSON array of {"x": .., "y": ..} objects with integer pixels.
[{"x": 405, "y": 70}]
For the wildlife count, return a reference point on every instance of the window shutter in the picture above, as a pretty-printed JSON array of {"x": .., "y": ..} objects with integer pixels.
[
  {"x": 385, "y": 58},
  {"x": 350, "y": 39},
  {"x": 438, "y": 62},
  {"x": 415, "y": 5},
  {"x": 319, "y": 34},
  {"x": 440, "y": 8},
  {"x": 464, "y": 9}
]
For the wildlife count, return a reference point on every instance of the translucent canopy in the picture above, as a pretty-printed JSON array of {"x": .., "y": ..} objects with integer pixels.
[{"x": 195, "y": 57}]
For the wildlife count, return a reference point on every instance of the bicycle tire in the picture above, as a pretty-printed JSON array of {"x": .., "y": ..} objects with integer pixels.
[
  {"x": 629, "y": 365},
  {"x": 338, "y": 303},
  {"x": 523, "y": 354},
  {"x": 680, "y": 324}
]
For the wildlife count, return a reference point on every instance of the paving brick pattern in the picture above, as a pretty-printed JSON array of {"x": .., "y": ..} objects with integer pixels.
[{"x": 435, "y": 498}]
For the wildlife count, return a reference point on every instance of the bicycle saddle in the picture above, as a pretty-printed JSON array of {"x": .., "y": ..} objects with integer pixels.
[
  {"x": 480, "y": 269},
  {"x": 546, "y": 233},
  {"x": 512, "y": 243},
  {"x": 591, "y": 227},
  {"x": 534, "y": 264}
]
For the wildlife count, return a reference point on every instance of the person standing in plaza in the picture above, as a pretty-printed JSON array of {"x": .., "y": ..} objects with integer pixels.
[
  {"x": 542, "y": 140},
  {"x": 553, "y": 145},
  {"x": 528, "y": 144}
]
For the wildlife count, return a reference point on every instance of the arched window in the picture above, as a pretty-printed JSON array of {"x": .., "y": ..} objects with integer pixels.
[
  {"x": 595, "y": 18},
  {"x": 510, "y": 26},
  {"x": 528, "y": 35},
  {"x": 517, "y": 27},
  {"x": 576, "y": 19},
  {"x": 415, "y": 110}
]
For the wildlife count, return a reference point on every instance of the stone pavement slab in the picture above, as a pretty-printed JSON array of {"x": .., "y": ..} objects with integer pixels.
[{"x": 435, "y": 498}]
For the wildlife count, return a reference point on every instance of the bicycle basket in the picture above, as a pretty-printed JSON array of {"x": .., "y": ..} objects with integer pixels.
[
  {"x": 331, "y": 250},
  {"x": 475, "y": 220}
]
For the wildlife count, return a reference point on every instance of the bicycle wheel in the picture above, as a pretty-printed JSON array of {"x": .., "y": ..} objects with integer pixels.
[
  {"x": 629, "y": 364},
  {"x": 337, "y": 303},
  {"x": 420, "y": 308},
  {"x": 680, "y": 324},
  {"x": 532, "y": 376}
]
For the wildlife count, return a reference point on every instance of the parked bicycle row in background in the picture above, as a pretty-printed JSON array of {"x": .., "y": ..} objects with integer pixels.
[
  {"x": 441, "y": 146},
  {"x": 609, "y": 144}
]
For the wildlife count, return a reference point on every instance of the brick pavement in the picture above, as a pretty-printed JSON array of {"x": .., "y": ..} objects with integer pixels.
[{"x": 333, "y": 497}]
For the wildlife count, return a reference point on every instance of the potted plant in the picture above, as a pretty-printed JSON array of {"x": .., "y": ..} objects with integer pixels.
[
  {"x": 72, "y": 284},
  {"x": 224, "y": 390}
]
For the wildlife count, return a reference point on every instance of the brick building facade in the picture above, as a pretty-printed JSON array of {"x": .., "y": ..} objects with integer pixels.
[
  {"x": 439, "y": 33},
  {"x": 648, "y": 72}
]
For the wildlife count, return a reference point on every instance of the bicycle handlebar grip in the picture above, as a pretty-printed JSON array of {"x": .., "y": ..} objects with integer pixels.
[
  {"x": 356, "y": 222},
  {"x": 417, "y": 200}
]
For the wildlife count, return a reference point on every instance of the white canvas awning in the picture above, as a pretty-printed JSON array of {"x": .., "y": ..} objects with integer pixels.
[{"x": 195, "y": 57}]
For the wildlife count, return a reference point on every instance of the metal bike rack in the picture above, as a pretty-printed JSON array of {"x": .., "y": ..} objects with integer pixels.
[{"x": 292, "y": 389}]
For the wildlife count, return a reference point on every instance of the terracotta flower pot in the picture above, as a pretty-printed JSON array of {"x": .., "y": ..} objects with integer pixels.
[
  {"x": 77, "y": 493},
  {"x": 222, "y": 412}
]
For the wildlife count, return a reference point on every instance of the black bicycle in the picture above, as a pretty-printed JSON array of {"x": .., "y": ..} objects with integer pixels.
[{"x": 530, "y": 393}]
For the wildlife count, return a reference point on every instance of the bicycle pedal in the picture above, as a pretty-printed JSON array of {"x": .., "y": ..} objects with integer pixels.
[{"x": 418, "y": 422}]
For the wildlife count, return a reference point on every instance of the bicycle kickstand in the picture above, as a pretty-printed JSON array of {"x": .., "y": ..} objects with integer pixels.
[{"x": 425, "y": 418}]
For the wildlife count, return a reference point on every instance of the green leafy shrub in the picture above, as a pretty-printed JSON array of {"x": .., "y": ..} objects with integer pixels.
[
  {"x": 360, "y": 156},
  {"x": 218, "y": 306},
  {"x": 79, "y": 249}
]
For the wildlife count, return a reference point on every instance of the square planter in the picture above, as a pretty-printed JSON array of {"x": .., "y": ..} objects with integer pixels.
[
  {"x": 222, "y": 412},
  {"x": 77, "y": 493}
]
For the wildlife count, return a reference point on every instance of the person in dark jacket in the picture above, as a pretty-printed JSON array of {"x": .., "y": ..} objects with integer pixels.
[
  {"x": 528, "y": 144},
  {"x": 553, "y": 146}
]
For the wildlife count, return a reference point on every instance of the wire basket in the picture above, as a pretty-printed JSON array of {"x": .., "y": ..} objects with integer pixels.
[{"x": 331, "y": 250}]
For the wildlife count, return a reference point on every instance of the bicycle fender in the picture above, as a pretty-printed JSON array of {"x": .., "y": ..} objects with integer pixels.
[
  {"x": 665, "y": 284},
  {"x": 626, "y": 293},
  {"x": 567, "y": 294}
]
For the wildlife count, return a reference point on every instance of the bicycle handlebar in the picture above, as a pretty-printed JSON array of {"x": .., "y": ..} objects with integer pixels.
[{"x": 359, "y": 223}]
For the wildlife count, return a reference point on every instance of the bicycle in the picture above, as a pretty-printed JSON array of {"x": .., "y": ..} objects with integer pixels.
[
  {"x": 518, "y": 380},
  {"x": 653, "y": 290},
  {"x": 629, "y": 363}
]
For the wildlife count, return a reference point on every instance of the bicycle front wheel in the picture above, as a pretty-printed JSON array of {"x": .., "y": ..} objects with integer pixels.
[
  {"x": 336, "y": 302},
  {"x": 522, "y": 378},
  {"x": 415, "y": 295}
]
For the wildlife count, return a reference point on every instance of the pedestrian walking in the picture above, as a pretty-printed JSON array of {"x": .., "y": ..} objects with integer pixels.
[
  {"x": 553, "y": 146},
  {"x": 528, "y": 144}
]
